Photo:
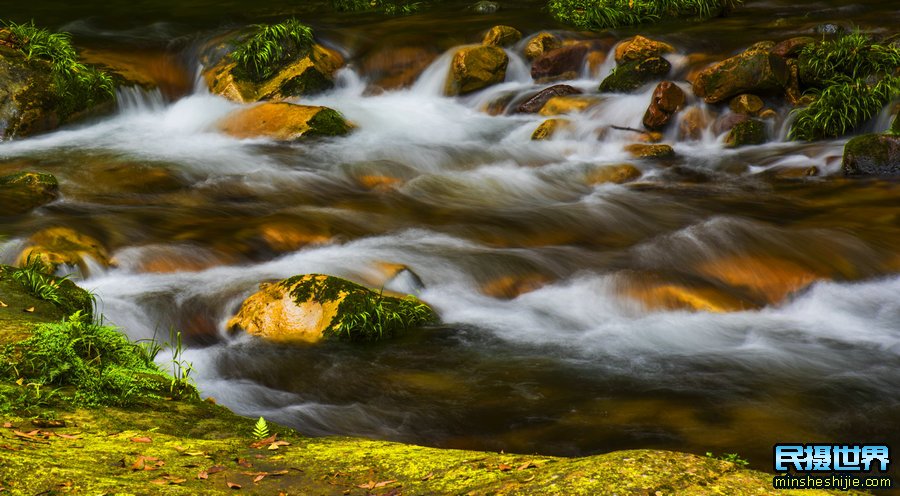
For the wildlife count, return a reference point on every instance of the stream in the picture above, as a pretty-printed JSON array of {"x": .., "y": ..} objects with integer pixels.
[{"x": 532, "y": 266}]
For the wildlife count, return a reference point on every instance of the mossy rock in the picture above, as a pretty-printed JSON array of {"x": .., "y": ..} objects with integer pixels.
[
  {"x": 550, "y": 127},
  {"x": 658, "y": 151},
  {"x": 284, "y": 121},
  {"x": 310, "y": 74},
  {"x": 748, "y": 132},
  {"x": 872, "y": 154},
  {"x": 24, "y": 191},
  {"x": 22, "y": 310},
  {"x": 641, "y": 48},
  {"x": 748, "y": 72},
  {"x": 314, "y": 307},
  {"x": 634, "y": 74},
  {"x": 502, "y": 36},
  {"x": 474, "y": 68},
  {"x": 540, "y": 44},
  {"x": 895, "y": 126}
]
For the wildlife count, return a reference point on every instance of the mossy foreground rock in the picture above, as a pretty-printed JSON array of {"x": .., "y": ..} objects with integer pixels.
[
  {"x": 474, "y": 68},
  {"x": 872, "y": 154},
  {"x": 284, "y": 122},
  {"x": 747, "y": 72},
  {"x": 307, "y": 75},
  {"x": 314, "y": 307},
  {"x": 25, "y": 191},
  {"x": 189, "y": 448},
  {"x": 16, "y": 321}
]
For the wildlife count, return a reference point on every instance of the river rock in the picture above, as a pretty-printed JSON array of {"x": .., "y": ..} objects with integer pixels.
[
  {"x": 24, "y": 191},
  {"x": 616, "y": 174},
  {"x": 641, "y": 150},
  {"x": 283, "y": 121},
  {"x": 792, "y": 47},
  {"x": 314, "y": 307},
  {"x": 748, "y": 132},
  {"x": 747, "y": 72},
  {"x": 397, "y": 67},
  {"x": 474, "y": 68},
  {"x": 550, "y": 127},
  {"x": 486, "y": 7},
  {"x": 693, "y": 122},
  {"x": 308, "y": 75},
  {"x": 537, "y": 102},
  {"x": 872, "y": 154},
  {"x": 56, "y": 246},
  {"x": 641, "y": 48},
  {"x": 564, "y": 62},
  {"x": 666, "y": 100},
  {"x": 634, "y": 74},
  {"x": 568, "y": 104},
  {"x": 502, "y": 36},
  {"x": 541, "y": 43},
  {"x": 746, "y": 104}
]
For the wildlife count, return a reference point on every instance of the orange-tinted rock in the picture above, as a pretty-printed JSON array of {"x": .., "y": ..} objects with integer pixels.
[
  {"x": 152, "y": 69},
  {"x": 57, "y": 246},
  {"x": 283, "y": 121},
  {"x": 510, "y": 286},
  {"x": 768, "y": 278},
  {"x": 502, "y": 36},
  {"x": 618, "y": 174},
  {"x": 549, "y": 127},
  {"x": 392, "y": 68},
  {"x": 568, "y": 104},
  {"x": 791, "y": 47},
  {"x": 474, "y": 68},
  {"x": 541, "y": 43},
  {"x": 661, "y": 295},
  {"x": 537, "y": 102},
  {"x": 694, "y": 121},
  {"x": 746, "y": 104},
  {"x": 666, "y": 100},
  {"x": 747, "y": 72},
  {"x": 641, "y": 48},
  {"x": 639, "y": 150},
  {"x": 563, "y": 62}
]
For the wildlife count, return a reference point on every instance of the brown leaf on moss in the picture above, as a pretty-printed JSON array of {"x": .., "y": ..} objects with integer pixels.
[
  {"x": 203, "y": 475},
  {"x": 259, "y": 477},
  {"x": 263, "y": 442},
  {"x": 215, "y": 469},
  {"x": 233, "y": 485},
  {"x": 7, "y": 425},
  {"x": 428, "y": 477},
  {"x": 504, "y": 467},
  {"x": 29, "y": 310},
  {"x": 141, "y": 439},
  {"x": 68, "y": 436},
  {"x": 528, "y": 464}
]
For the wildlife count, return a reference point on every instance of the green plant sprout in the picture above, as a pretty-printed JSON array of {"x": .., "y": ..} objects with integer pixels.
[{"x": 261, "y": 429}]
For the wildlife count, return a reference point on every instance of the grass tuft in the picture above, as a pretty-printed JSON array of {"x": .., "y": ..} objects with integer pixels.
[
  {"x": 270, "y": 46},
  {"x": 78, "y": 86},
  {"x": 605, "y": 14}
]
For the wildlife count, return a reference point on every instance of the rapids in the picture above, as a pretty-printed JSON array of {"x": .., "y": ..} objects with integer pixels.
[{"x": 464, "y": 199}]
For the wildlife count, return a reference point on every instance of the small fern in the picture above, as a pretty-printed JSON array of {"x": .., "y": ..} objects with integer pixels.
[{"x": 261, "y": 429}]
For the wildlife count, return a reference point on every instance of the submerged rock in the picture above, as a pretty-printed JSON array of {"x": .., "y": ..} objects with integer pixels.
[
  {"x": 746, "y": 104},
  {"x": 667, "y": 99},
  {"x": 56, "y": 246},
  {"x": 486, "y": 7},
  {"x": 474, "y": 68},
  {"x": 694, "y": 121},
  {"x": 564, "y": 62},
  {"x": 748, "y": 132},
  {"x": 284, "y": 122},
  {"x": 747, "y": 72},
  {"x": 540, "y": 44},
  {"x": 616, "y": 174},
  {"x": 640, "y": 150},
  {"x": 24, "y": 191},
  {"x": 872, "y": 154},
  {"x": 397, "y": 67},
  {"x": 550, "y": 127},
  {"x": 502, "y": 36},
  {"x": 311, "y": 308},
  {"x": 634, "y": 74},
  {"x": 307, "y": 75},
  {"x": 568, "y": 104},
  {"x": 534, "y": 104}
]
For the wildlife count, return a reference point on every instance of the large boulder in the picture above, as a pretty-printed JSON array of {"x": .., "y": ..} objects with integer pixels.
[
  {"x": 872, "y": 154},
  {"x": 314, "y": 307},
  {"x": 283, "y": 121},
  {"x": 23, "y": 191},
  {"x": 502, "y": 36},
  {"x": 634, "y": 74},
  {"x": 747, "y": 72},
  {"x": 474, "y": 68},
  {"x": 307, "y": 75},
  {"x": 667, "y": 99},
  {"x": 534, "y": 104},
  {"x": 564, "y": 62}
]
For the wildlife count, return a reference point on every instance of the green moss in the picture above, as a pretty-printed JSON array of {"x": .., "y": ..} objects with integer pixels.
[
  {"x": 604, "y": 14},
  {"x": 99, "y": 363},
  {"x": 23, "y": 191},
  {"x": 78, "y": 87},
  {"x": 310, "y": 82},
  {"x": 66, "y": 295},
  {"x": 327, "y": 122},
  {"x": 269, "y": 47},
  {"x": 749, "y": 132},
  {"x": 389, "y": 7},
  {"x": 634, "y": 74}
]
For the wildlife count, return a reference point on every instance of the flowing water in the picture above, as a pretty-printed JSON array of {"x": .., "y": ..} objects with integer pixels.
[{"x": 558, "y": 334}]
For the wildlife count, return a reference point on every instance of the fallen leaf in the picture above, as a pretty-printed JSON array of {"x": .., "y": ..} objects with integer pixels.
[
  {"x": 232, "y": 485},
  {"x": 48, "y": 424},
  {"x": 159, "y": 482},
  {"x": 259, "y": 477},
  {"x": 174, "y": 480},
  {"x": 142, "y": 463},
  {"x": 428, "y": 477},
  {"x": 528, "y": 464},
  {"x": 10, "y": 448},
  {"x": 529, "y": 479},
  {"x": 7, "y": 425},
  {"x": 26, "y": 435},
  {"x": 263, "y": 442},
  {"x": 215, "y": 469},
  {"x": 384, "y": 483},
  {"x": 278, "y": 473},
  {"x": 244, "y": 463},
  {"x": 142, "y": 439},
  {"x": 68, "y": 436},
  {"x": 504, "y": 467},
  {"x": 29, "y": 310},
  {"x": 20, "y": 381},
  {"x": 203, "y": 475},
  {"x": 373, "y": 484},
  {"x": 3, "y": 305}
]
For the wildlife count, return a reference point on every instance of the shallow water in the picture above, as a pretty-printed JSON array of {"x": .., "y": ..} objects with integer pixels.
[{"x": 537, "y": 273}]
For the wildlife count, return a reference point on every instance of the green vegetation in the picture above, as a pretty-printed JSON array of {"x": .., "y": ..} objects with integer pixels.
[
  {"x": 850, "y": 80},
  {"x": 32, "y": 276},
  {"x": 261, "y": 429},
  {"x": 730, "y": 457},
  {"x": 268, "y": 48},
  {"x": 92, "y": 363},
  {"x": 384, "y": 6},
  {"x": 78, "y": 86},
  {"x": 605, "y": 14}
]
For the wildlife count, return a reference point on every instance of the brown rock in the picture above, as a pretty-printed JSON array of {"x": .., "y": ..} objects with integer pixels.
[
  {"x": 474, "y": 68},
  {"x": 540, "y": 44},
  {"x": 746, "y": 104},
  {"x": 148, "y": 68},
  {"x": 537, "y": 102},
  {"x": 791, "y": 47},
  {"x": 727, "y": 121},
  {"x": 666, "y": 100},
  {"x": 548, "y": 128},
  {"x": 747, "y": 72},
  {"x": 640, "y": 150},
  {"x": 392, "y": 68},
  {"x": 502, "y": 36},
  {"x": 694, "y": 121},
  {"x": 618, "y": 174},
  {"x": 568, "y": 104},
  {"x": 641, "y": 48},
  {"x": 283, "y": 121},
  {"x": 565, "y": 61}
]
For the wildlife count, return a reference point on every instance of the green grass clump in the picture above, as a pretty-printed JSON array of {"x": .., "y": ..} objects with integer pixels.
[
  {"x": 102, "y": 365},
  {"x": 850, "y": 80},
  {"x": 32, "y": 276},
  {"x": 605, "y": 14},
  {"x": 78, "y": 86},
  {"x": 371, "y": 319},
  {"x": 384, "y": 6},
  {"x": 269, "y": 47}
]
